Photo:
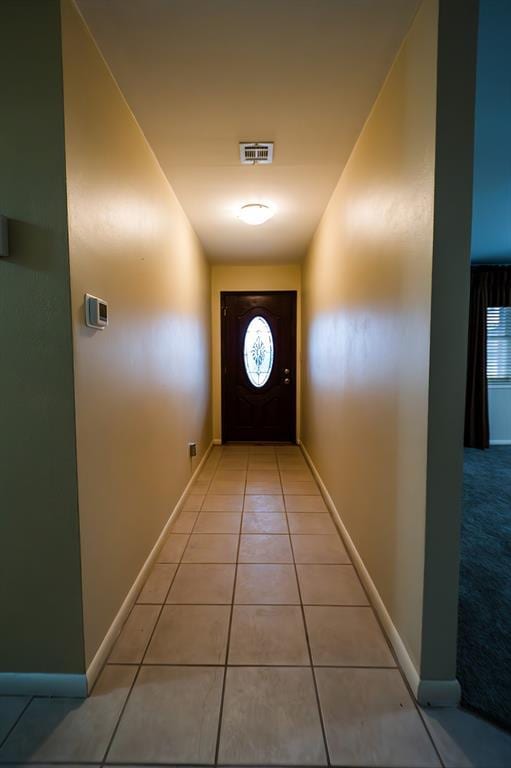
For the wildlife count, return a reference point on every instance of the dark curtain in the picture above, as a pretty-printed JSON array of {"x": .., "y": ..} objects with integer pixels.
[{"x": 490, "y": 286}]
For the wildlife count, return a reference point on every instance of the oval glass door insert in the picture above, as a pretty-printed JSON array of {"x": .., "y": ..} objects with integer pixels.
[{"x": 258, "y": 351}]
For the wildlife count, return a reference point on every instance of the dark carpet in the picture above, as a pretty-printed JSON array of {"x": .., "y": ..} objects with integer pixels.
[{"x": 484, "y": 639}]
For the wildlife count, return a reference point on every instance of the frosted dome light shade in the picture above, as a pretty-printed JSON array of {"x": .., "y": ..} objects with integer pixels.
[{"x": 255, "y": 213}]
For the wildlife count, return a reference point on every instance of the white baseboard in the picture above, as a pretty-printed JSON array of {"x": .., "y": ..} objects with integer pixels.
[
  {"x": 435, "y": 693},
  {"x": 37, "y": 684},
  {"x": 438, "y": 693},
  {"x": 500, "y": 442},
  {"x": 41, "y": 684},
  {"x": 111, "y": 636}
]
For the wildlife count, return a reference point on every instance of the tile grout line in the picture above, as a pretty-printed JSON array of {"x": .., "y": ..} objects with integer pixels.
[
  {"x": 139, "y": 666},
  {"x": 308, "y": 605},
  {"x": 226, "y": 665},
  {"x": 286, "y": 512},
  {"x": 206, "y": 492},
  {"x": 307, "y": 640},
  {"x": 100, "y": 764},
  {"x": 387, "y": 641},
  {"x": 402, "y": 675},
  {"x": 264, "y": 666},
  {"x": 425, "y": 725},
  {"x": 228, "y": 644},
  {"x": 106, "y": 662},
  {"x": 16, "y": 721},
  {"x": 173, "y": 765}
]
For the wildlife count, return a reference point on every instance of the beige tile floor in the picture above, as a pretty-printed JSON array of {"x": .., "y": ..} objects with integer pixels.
[{"x": 251, "y": 643}]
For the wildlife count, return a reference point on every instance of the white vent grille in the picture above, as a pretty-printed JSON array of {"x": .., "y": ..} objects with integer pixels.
[{"x": 256, "y": 152}]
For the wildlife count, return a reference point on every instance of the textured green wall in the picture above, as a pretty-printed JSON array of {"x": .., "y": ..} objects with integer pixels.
[{"x": 40, "y": 589}]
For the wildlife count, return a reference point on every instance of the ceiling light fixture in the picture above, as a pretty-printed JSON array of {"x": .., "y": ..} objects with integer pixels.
[{"x": 255, "y": 213}]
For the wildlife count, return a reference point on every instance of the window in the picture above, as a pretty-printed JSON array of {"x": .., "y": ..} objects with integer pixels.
[
  {"x": 258, "y": 351},
  {"x": 498, "y": 362}
]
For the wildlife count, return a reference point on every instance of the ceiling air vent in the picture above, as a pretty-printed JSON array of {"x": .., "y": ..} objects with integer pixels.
[{"x": 256, "y": 152}]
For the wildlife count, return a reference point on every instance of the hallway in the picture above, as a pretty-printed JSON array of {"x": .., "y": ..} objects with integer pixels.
[
  {"x": 248, "y": 627},
  {"x": 252, "y": 642},
  {"x": 233, "y": 298}
]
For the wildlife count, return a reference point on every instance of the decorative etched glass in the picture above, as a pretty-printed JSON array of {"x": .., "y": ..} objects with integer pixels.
[{"x": 258, "y": 351}]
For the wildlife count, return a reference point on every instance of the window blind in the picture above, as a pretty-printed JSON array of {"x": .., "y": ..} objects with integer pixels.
[{"x": 498, "y": 360}]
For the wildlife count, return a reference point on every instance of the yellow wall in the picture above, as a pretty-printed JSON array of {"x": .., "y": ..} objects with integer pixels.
[
  {"x": 284, "y": 277},
  {"x": 366, "y": 321},
  {"x": 142, "y": 386}
]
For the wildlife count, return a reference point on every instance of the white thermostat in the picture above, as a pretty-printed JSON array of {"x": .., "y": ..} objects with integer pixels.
[{"x": 96, "y": 312}]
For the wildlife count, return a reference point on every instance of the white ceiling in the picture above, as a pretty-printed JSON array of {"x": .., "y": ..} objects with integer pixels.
[{"x": 202, "y": 75}]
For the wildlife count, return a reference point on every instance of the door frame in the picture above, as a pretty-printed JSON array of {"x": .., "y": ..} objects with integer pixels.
[{"x": 294, "y": 331}]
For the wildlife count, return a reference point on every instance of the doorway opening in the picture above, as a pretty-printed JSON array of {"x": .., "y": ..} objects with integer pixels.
[
  {"x": 258, "y": 360},
  {"x": 484, "y": 657}
]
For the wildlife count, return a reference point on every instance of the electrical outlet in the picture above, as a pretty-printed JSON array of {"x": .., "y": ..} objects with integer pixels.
[{"x": 192, "y": 448}]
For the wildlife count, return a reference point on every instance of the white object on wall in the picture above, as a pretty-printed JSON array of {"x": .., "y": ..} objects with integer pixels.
[
  {"x": 499, "y": 409},
  {"x": 96, "y": 312}
]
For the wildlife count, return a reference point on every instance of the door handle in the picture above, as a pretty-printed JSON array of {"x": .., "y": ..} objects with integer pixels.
[
  {"x": 286, "y": 371},
  {"x": 287, "y": 381}
]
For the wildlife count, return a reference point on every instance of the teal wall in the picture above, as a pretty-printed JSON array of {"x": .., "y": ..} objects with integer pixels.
[
  {"x": 491, "y": 229},
  {"x": 40, "y": 584}
]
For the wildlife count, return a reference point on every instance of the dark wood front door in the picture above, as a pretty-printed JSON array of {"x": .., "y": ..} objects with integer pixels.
[{"x": 259, "y": 366}]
